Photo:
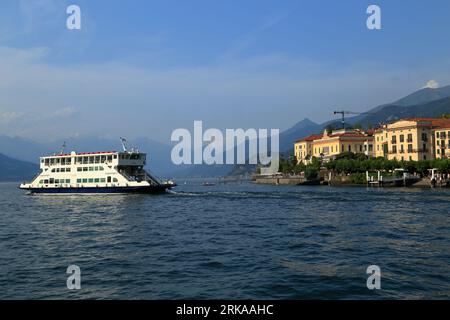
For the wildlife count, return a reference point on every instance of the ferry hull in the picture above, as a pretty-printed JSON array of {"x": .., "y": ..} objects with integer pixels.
[{"x": 102, "y": 190}]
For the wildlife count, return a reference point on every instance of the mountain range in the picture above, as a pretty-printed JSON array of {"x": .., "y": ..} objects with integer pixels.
[{"x": 19, "y": 156}]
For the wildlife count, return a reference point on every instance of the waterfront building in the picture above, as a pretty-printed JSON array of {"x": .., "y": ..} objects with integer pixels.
[
  {"x": 412, "y": 139},
  {"x": 303, "y": 148},
  {"x": 334, "y": 142},
  {"x": 442, "y": 141}
]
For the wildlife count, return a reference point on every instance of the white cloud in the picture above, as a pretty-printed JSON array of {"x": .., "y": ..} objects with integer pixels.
[
  {"x": 432, "y": 84},
  {"x": 8, "y": 117}
]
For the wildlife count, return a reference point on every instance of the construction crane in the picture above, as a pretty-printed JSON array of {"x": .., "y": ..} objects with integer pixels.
[{"x": 343, "y": 113}]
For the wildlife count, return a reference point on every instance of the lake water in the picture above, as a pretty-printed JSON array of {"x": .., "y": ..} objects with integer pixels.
[{"x": 235, "y": 241}]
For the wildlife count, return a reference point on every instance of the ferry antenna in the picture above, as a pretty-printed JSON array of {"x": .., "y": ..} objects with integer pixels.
[
  {"x": 124, "y": 144},
  {"x": 63, "y": 147}
]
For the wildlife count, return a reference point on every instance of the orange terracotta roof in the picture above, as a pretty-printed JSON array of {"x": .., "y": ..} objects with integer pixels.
[
  {"x": 349, "y": 134},
  {"x": 311, "y": 138},
  {"x": 434, "y": 121}
]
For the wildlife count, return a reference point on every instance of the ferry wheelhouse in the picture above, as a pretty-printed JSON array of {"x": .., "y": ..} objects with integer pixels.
[{"x": 96, "y": 172}]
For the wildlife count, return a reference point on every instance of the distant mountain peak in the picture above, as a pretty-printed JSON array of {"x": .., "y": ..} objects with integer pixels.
[{"x": 429, "y": 93}]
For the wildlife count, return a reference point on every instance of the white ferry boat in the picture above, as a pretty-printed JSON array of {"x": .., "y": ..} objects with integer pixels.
[{"x": 96, "y": 172}]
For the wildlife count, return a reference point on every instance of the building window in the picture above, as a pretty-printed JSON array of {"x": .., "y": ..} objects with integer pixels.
[
  {"x": 424, "y": 136},
  {"x": 394, "y": 139},
  {"x": 402, "y": 138},
  {"x": 394, "y": 149},
  {"x": 410, "y": 137},
  {"x": 410, "y": 148}
]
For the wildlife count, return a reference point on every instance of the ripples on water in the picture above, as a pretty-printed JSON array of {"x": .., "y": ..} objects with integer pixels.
[{"x": 227, "y": 241}]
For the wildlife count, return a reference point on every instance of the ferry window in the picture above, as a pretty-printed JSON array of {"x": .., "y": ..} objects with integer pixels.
[
  {"x": 63, "y": 161},
  {"x": 97, "y": 159},
  {"x": 53, "y": 170},
  {"x": 103, "y": 159},
  {"x": 101, "y": 168},
  {"x": 96, "y": 169},
  {"x": 91, "y": 180},
  {"x": 102, "y": 180},
  {"x": 68, "y": 170},
  {"x": 78, "y": 180},
  {"x": 109, "y": 158},
  {"x": 85, "y": 180},
  {"x": 85, "y": 160},
  {"x": 109, "y": 179},
  {"x": 115, "y": 156},
  {"x": 91, "y": 168},
  {"x": 115, "y": 180},
  {"x": 91, "y": 160},
  {"x": 42, "y": 161},
  {"x": 52, "y": 180},
  {"x": 40, "y": 182},
  {"x": 68, "y": 161},
  {"x": 47, "y": 161},
  {"x": 79, "y": 169},
  {"x": 45, "y": 181},
  {"x": 56, "y": 181},
  {"x": 67, "y": 180},
  {"x": 85, "y": 169},
  {"x": 96, "y": 180}
]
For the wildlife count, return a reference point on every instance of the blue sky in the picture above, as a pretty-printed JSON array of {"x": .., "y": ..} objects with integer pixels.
[{"x": 144, "y": 68}]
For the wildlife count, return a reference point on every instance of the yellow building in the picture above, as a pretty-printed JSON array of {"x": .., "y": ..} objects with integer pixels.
[
  {"x": 410, "y": 139},
  {"x": 442, "y": 141},
  {"x": 303, "y": 148},
  {"x": 329, "y": 144}
]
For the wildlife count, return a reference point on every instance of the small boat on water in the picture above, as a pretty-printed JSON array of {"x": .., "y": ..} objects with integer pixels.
[
  {"x": 208, "y": 184},
  {"x": 96, "y": 172}
]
